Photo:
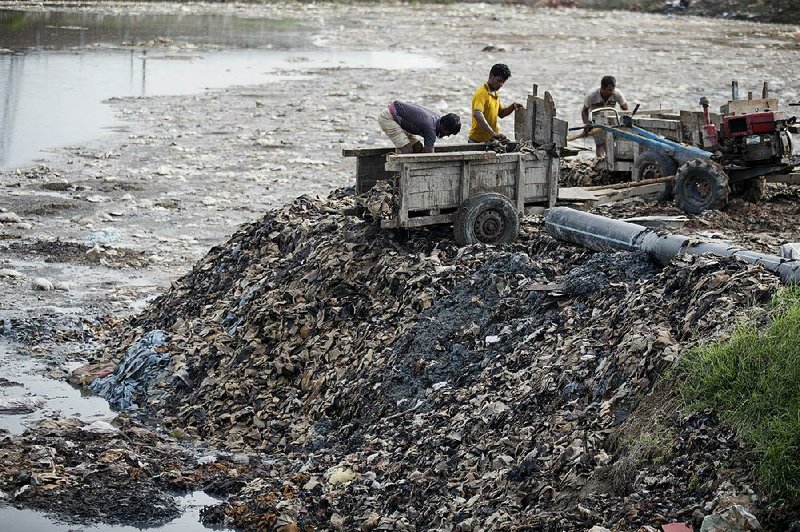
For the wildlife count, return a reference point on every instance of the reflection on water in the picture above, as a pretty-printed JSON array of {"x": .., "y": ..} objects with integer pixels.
[
  {"x": 26, "y": 385},
  {"x": 53, "y": 96},
  {"x": 20, "y": 30},
  {"x": 15, "y": 519}
]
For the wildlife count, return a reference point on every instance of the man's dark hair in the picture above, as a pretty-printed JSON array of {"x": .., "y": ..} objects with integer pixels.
[
  {"x": 500, "y": 70},
  {"x": 451, "y": 123},
  {"x": 608, "y": 80}
]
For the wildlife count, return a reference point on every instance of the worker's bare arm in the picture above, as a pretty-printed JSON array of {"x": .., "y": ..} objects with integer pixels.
[
  {"x": 484, "y": 125},
  {"x": 505, "y": 111}
]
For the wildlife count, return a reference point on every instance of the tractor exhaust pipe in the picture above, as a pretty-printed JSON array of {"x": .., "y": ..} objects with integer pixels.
[
  {"x": 603, "y": 234},
  {"x": 710, "y": 136}
]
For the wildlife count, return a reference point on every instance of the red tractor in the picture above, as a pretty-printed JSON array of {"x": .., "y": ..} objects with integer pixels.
[{"x": 751, "y": 143}]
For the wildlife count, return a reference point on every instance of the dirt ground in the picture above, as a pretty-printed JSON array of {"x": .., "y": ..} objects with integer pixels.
[{"x": 120, "y": 218}]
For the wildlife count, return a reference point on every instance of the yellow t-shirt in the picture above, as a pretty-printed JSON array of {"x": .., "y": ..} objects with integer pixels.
[{"x": 488, "y": 103}]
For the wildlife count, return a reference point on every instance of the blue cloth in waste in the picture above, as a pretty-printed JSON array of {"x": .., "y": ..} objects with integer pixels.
[{"x": 140, "y": 366}]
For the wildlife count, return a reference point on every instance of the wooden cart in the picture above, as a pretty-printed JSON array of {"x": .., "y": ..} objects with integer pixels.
[{"x": 482, "y": 193}]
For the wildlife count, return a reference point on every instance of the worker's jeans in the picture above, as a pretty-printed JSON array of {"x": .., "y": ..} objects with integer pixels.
[{"x": 396, "y": 134}]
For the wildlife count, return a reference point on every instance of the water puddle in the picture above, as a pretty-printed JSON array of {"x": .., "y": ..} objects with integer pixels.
[
  {"x": 60, "y": 68},
  {"x": 189, "y": 521},
  {"x": 27, "y": 395}
]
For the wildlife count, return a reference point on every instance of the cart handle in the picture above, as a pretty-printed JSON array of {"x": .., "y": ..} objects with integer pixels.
[{"x": 599, "y": 109}]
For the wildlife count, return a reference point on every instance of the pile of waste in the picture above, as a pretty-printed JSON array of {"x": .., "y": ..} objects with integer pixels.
[
  {"x": 583, "y": 172},
  {"x": 393, "y": 381},
  {"x": 94, "y": 472}
]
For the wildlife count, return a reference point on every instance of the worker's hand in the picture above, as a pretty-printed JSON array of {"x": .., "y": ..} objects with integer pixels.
[
  {"x": 587, "y": 129},
  {"x": 499, "y": 136},
  {"x": 516, "y": 105}
]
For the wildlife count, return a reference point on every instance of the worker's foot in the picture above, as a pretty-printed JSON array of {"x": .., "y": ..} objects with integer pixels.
[{"x": 417, "y": 147}]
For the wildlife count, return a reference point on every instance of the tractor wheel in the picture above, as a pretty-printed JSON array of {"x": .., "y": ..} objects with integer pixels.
[
  {"x": 651, "y": 165},
  {"x": 489, "y": 218},
  {"x": 701, "y": 185},
  {"x": 753, "y": 189}
]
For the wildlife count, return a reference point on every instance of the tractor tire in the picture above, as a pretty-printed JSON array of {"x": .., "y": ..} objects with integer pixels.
[
  {"x": 652, "y": 164},
  {"x": 753, "y": 189},
  {"x": 701, "y": 185},
  {"x": 488, "y": 218}
]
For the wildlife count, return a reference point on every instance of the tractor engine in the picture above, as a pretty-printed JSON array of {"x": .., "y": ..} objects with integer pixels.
[{"x": 755, "y": 138}]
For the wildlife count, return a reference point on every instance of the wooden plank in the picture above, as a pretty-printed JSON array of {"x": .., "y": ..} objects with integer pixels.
[
  {"x": 536, "y": 192},
  {"x": 444, "y": 179},
  {"x": 523, "y": 122},
  {"x": 560, "y": 128},
  {"x": 621, "y": 194},
  {"x": 433, "y": 199},
  {"x": 789, "y": 179},
  {"x": 519, "y": 181},
  {"x": 397, "y": 162},
  {"x": 577, "y": 194},
  {"x": 740, "y": 107},
  {"x": 418, "y": 221},
  {"x": 543, "y": 120},
  {"x": 631, "y": 184},
  {"x": 552, "y": 176},
  {"x": 464, "y": 181},
  {"x": 402, "y": 209},
  {"x": 368, "y": 151}
]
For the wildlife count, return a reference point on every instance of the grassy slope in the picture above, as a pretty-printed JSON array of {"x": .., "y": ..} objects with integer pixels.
[{"x": 752, "y": 381}]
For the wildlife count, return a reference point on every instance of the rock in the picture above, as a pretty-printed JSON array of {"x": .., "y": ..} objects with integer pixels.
[
  {"x": 40, "y": 283},
  {"x": 62, "y": 285},
  {"x": 7, "y": 272},
  {"x": 733, "y": 519},
  {"x": 9, "y": 218},
  {"x": 100, "y": 427},
  {"x": 20, "y": 405}
]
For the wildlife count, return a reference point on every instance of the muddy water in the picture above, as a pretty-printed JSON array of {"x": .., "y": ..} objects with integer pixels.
[{"x": 64, "y": 66}]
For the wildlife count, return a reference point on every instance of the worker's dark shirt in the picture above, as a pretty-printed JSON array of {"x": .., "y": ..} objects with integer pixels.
[{"x": 416, "y": 120}]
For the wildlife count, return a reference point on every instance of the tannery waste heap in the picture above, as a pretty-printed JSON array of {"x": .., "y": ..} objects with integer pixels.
[{"x": 396, "y": 382}]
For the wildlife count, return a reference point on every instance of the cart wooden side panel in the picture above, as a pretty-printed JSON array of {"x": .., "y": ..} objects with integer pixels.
[
  {"x": 370, "y": 162},
  {"x": 431, "y": 187}
]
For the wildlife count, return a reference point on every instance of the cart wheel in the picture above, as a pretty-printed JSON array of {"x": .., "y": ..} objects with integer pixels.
[
  {"x": 701, "y": 185},
  {"x": 652, "y": 165},
  {"x": 489, "y": 218},
  {"x": 753, "y": 189}
]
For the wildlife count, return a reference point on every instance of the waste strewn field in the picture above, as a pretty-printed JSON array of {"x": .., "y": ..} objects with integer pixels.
[{"x": 322, "y": 373}]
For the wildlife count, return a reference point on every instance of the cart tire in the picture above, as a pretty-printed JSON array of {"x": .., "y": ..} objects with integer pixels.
[
  {"x": 488, "y": 218},
  {"x": 753, "y": 190},
  {"x": 652, "y": 165},
  {"x": 701, "y": 185}
]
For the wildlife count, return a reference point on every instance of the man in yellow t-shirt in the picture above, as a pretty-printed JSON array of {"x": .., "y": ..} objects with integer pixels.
[{"x": 486, "y": 107}]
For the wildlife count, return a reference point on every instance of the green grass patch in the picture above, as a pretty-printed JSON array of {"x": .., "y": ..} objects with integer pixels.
[{"x": 752, "y": 381}]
